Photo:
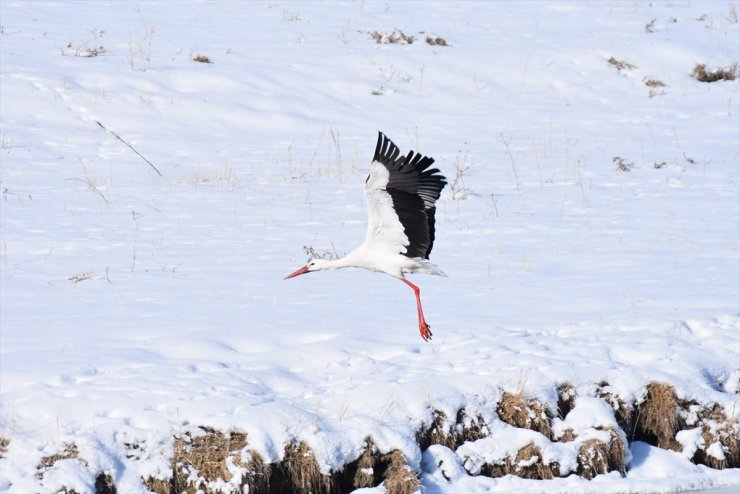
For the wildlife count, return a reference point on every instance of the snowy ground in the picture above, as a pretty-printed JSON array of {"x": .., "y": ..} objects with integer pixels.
[{"x": 136, "y": 307}]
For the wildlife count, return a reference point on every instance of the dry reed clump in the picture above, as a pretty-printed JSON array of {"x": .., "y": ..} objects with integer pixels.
[
  {"x": 299, "y": 472},
  {"x": 623, "y": 411},
  {"x": 720, "y": 438},
  {"x": 621, "y": 64},
  {"x": 515, "y": 410},
  {"x": 439, "y": 432},
  {"x": 69, "y": 452},
  {"x": 442, "y": 431},
  {"x": 622, "y": 164},
  {"x": 527, "y": 464},
  {"x": 617, "y": 448},
  {"x": 399, "y": 477},
  {"x": 366, "y": 466},
  {"x": 700, "y": 73},
  {"x": 202, "y": 59},
  {"x": 596, "y": 457},
  {"x": 159, "y": 486},
  {"x": 657, "y": 416},
  {"x": 593, "y": 459},
  {"x": 436, "y": 41},
  {"x": 104, "y": 484},
  {"x": 200, "y": 460},
  {"x": 566, "y": 399},
  {"x": 396, "y": 37}
]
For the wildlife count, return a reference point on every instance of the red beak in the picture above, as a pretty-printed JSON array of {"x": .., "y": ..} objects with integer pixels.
[{"x": 303, "y": 270}]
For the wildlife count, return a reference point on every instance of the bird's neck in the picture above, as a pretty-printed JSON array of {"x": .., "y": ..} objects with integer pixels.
[
  {"x": 325, "y": 264},
  {"x": 343, "y": 262}
]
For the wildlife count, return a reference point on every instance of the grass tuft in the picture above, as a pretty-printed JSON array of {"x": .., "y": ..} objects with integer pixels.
[
  {"x": 436, "y": 41},
  {"x": 202, "y": 59},
  {"x": 199, "y": 460},
  {"x": 702, "y": 74},
  {"x": 104, "y": 484},
  {"x": 657, "y": 415},
  {"x": 566, "y": 399},
  {"x": 593, "y": 459},
  {"x": 622, "y": 164},
  {"x": 68, "y": 453},
  {"x": 395, "y": 37},
  {"x": 399, "y": 477},
  {"x": 525, "y": 414},
  {"x": 621, "y": 64},
  {"x": 366, "y": 467},
  {"x": 527, "y": 464},
  {"x": 452, "y": 435}
]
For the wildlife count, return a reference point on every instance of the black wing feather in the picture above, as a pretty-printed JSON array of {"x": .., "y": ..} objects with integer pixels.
[{"x": 414, "y": 189}]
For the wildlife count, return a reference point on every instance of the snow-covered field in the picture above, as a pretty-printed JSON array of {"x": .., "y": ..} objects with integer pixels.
[{"x": 136, "y": 309}]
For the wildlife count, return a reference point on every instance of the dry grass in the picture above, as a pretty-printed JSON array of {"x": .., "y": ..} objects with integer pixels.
[
  {"x": 436, "y": 41},
  {"x": 593, "y": 459},
  {"x": 206, "y": 462},
  {"x": 700, "y": 73},
  {"x": 621, "y": 64},
  {"x": 366, "y": 466},
  {"x": 657, "y": 415},
  {"x": 617, "y": 448},
  {"x": 515, "y": 410},
  {"x": 67, "y": 453},
  {"x": 203, "y": 459},
  {"x": 202, "y": 59},
  {"x": 526, "y": 464},
  {"x": 159, "y": 486},
  {"x": 104, "y": 484},
  {"x": 300, "y": 471},
  {"x": 622, "y": 410},
  {"x": 654, "y": 85},
  {"x": 399, "y": 477},
  {"x": 566, "y": 399},
  {"x": 442, "y": 431},
  {"x": 622, "y": 164},
  {"x": 718, "y": 430},
  {"x": 395, "y": 37}
]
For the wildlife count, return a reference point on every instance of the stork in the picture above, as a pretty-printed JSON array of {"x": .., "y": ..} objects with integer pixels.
[{"x": 401, "y": 192}]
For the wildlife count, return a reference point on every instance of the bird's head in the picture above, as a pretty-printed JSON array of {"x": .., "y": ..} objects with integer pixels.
[{"x": 312, "y": 265}]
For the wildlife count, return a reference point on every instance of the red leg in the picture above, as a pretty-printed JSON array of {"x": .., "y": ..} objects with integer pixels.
[{"x": 426, "y": 334}]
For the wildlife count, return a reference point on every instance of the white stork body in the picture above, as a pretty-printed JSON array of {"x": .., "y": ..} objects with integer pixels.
[{"x": 401, "y": 193}]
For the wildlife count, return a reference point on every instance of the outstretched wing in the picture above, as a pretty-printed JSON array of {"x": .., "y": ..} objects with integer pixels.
[{"x": 401, "y": 193}]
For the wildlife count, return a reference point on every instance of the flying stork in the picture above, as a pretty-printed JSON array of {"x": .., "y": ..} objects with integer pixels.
[{"x": 400, "y": 192}]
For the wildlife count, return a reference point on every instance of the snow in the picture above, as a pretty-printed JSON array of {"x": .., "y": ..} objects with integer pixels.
[{"x": 135, "y": 307}]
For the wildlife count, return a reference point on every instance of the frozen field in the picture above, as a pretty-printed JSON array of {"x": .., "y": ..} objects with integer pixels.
[{"x": 589, "y": 234}]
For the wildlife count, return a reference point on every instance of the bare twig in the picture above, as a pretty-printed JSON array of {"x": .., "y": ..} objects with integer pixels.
[
  {"x": 511, "y": 157},
  {"x": 129, "y": 145}
]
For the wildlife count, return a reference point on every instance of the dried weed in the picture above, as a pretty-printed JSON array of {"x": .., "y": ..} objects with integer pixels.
[
  {"x": 202, "y": 59},
  {"x": 527, "y": 464},
  {"x": 299, "y": 472},
  {"x": 515, "y": 410},
  {"x": 436, "y": 41},
  {"x": 395, "y": 37},
  {"x": 657, "y": 415},
  {"x": 622, "y": 164},
  {"x": 593, "y": 459},
  {"x": 700, "y": 73},
  {"x": 399, "y": 477},
  {"x": 621, "y": 64}
]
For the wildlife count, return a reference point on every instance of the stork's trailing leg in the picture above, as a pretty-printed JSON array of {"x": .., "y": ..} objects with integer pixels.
[{"x": 426, "y": 334}]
